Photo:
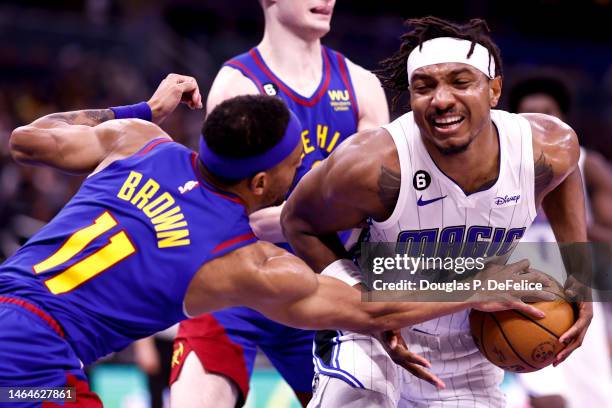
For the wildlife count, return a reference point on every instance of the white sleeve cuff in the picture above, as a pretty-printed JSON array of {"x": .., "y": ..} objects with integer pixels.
[{"x": 344, "y": 270}]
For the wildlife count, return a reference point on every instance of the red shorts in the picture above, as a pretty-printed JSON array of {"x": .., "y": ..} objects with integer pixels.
[
  {"x": 226, "y": 343},
  {"x": 215, "y": 350}
]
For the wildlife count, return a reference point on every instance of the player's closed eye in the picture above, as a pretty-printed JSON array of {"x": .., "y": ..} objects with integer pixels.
[
  {"x": 421, "y": 88},
  {"x": 461, "y": 83}
]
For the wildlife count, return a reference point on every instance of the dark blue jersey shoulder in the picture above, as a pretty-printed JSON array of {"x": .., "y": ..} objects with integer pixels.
[
  {"x": 114, "y": 265},
  {"x": 329, "y": 115}
]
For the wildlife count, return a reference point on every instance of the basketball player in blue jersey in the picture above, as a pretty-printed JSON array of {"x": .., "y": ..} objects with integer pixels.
[
  {"x": 333, "y": 98},
  {"x": 452, "y": 170},
  {"x": 158, "y": 233}
]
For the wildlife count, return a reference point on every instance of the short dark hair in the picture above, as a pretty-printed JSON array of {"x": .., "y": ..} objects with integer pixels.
[
  {"x": 245, "y": 126},
  {"x": 553, "y": 87},
  {"x": 393, "y": 74}
]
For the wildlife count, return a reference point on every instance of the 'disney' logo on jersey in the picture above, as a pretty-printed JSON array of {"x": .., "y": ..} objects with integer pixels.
[
  {"x": 507, "y": 200},
  {"x": 340, "y": 100}
]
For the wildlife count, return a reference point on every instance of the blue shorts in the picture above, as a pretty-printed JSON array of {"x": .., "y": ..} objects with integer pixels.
[
  {"x": 34, "y": 353},
  {"x": 226, "y": 343}
]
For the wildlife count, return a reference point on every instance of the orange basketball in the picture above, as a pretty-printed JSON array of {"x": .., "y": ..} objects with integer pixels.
[{"x": 516, "y": 342}]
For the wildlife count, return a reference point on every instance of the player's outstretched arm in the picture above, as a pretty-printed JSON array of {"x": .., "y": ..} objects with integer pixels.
[
  {"x": 267, "y": 278},
  {"x": 68, "y": 141},
  {"x": 335, "y": 305},
  {"x": 79, "y": 141},
  {"x": 558, "y": 187}
]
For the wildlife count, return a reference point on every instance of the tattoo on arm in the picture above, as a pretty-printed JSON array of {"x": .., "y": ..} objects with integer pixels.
[
  {"x": 543, "y": 175},
  {"x": 90, "y": 117},
  {"x": 389, "y": 183}
]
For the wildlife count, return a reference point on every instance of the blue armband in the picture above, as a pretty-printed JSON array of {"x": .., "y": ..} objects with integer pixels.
[{"x": 140, "y": 110}]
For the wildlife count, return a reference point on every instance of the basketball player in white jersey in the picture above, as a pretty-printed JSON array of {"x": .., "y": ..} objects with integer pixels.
[
  {"x": 585, "y": 379},
  {"x": 290, "y": 63},
  {"x": 452, "y": 170}
]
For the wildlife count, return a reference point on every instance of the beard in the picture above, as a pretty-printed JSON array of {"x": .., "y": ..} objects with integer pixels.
[{"x": 454, "y": 150}]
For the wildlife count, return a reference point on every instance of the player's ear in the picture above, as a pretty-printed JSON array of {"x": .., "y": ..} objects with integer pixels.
[
  {"x": 495, "y": 88},
  {"x": 258, "y": 183}
]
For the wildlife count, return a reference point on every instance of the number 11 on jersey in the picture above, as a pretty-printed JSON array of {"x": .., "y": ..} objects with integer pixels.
[{"x": 118, "y": 248}]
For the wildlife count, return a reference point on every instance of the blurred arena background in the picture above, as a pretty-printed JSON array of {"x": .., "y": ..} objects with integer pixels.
[{"x": 65, "y": 55}]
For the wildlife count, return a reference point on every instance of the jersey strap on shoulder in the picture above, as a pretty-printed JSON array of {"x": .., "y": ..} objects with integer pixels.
[
  {"x": 242, "y": 64},
  {"x": 234, "y": 243},
  {"x": 151, "y": 145},
  {"x": 339, "y": 62}
]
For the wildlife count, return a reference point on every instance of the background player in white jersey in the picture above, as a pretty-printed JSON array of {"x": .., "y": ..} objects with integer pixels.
[
  {"x": 585, "y": 378},
  {"x": 452, "y": 170},
  {"x": 333, "y": 98}
]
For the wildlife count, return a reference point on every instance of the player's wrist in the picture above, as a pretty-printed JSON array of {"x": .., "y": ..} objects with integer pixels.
[
  {"x": 344, "y": 270},
  {"x": 140, "y": 110}
]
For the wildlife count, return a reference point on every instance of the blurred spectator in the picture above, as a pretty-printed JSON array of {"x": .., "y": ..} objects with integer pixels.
[
  {"x": 568, "y": 385},
  {"x": 551, "y": 96}
]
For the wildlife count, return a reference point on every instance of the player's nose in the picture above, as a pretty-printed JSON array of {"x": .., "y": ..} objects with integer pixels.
[{"x": 443, "y": 99}]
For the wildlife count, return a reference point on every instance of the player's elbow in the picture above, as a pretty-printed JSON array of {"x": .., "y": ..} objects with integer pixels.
[
  {"x": 290, "y": 221},
  {"x": 21, "y": 144}
]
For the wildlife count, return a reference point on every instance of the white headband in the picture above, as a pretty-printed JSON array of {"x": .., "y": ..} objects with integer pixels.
[{"x": 448, "y": 49}]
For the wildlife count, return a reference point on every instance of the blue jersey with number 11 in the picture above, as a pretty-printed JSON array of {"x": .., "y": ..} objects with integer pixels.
[{"x": 114, "y": 265}]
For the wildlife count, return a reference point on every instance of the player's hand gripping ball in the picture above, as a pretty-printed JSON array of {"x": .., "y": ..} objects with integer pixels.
[{"x": 516, "y": 342}]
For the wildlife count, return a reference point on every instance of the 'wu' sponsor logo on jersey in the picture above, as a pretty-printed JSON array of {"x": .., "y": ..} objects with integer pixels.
[
  {"x": 512, "y": 199},
  {"x": 339, "y": 99}
]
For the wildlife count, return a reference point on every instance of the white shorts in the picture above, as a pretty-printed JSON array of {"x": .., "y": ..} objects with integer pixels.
[{"x": 356, "y": 368}]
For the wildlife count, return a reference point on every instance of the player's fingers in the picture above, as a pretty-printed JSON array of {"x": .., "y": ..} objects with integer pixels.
[
  {"x": 187, "y": 85},
  {"x": 394, "y": 339},
  {"x": 393, "y": 342},
  {"x": 538, "y": 296},
  {"x": 425, "y": 375},
  {"x": 403, "y": 355},
  {"x": 534, "y": 276},
  {"x": 521, "y": 265},
  {"x": 200, "y": 105},
  {"x": 570, "y": 335},
  {"x": 528, "y": 309},
  {"x": 196, "y": 99},
  {"x": 419, "y": 360},
  {"x": 565, "y": 353},
  {"x": 574, "y": 332},
  {"x": 573, "y": 339}
]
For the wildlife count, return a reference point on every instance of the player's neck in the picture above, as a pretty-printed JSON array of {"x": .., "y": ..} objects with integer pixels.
[
  {"x": 295, "y": 60},
  {"x": 477, "y": 167}
]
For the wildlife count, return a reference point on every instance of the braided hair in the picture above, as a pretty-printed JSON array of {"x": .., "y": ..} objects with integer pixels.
[{"x": 393, "y": 74}]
